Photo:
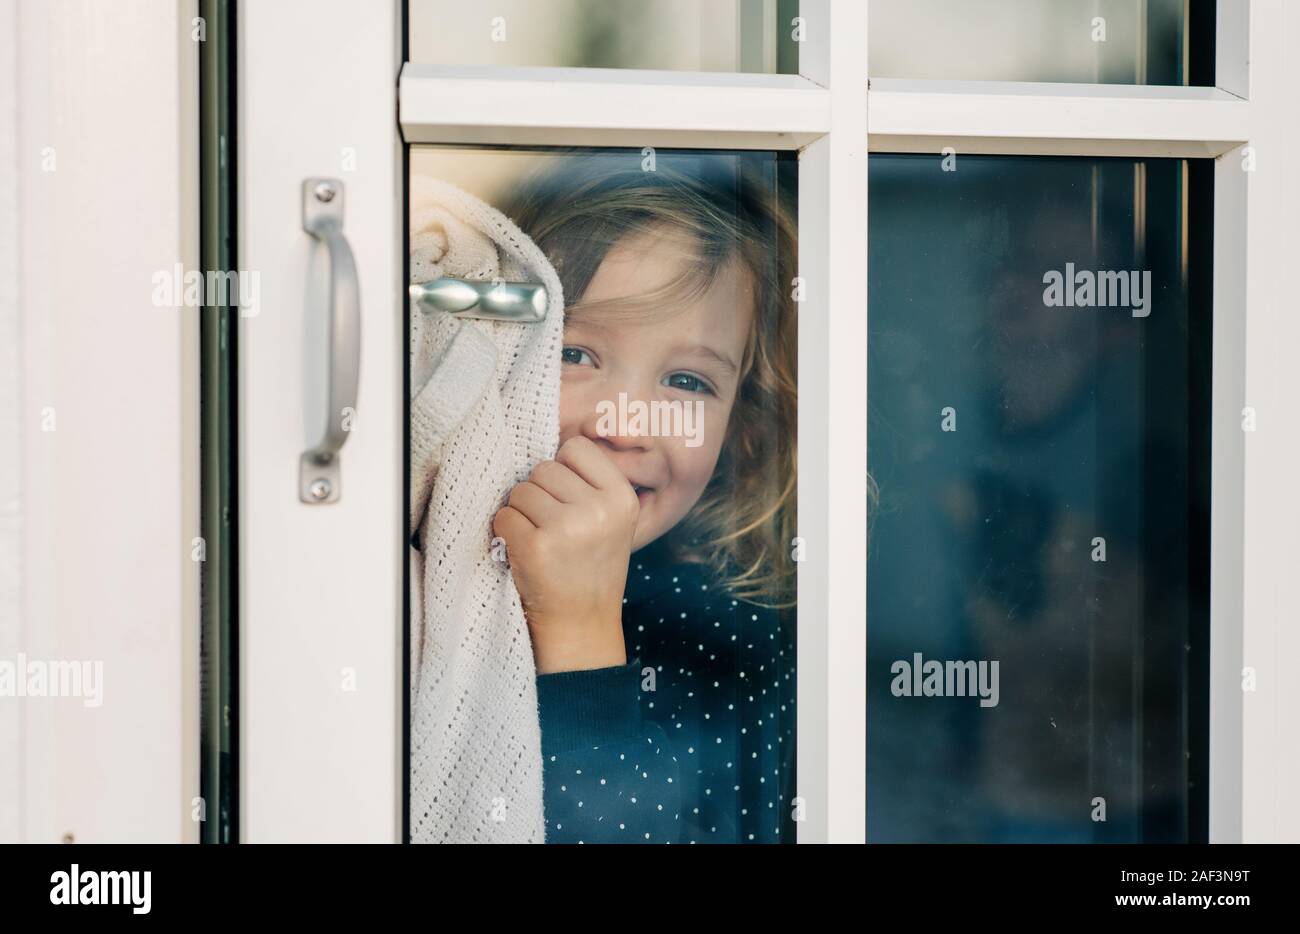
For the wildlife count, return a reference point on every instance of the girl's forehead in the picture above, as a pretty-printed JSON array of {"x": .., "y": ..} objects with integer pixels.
[
  {"x": 645, "y": 261},
  {"x": 720, "y": 304},
  {"x": 658, "y": 271}
]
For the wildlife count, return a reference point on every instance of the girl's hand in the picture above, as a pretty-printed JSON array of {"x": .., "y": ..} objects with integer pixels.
[{"x": 568, "y": 531}]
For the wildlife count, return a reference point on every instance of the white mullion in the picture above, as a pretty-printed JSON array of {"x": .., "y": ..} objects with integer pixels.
[
  {"x": 906, "y": 115},
  {"x": 833, "y": 432},
  {"x": 489, "y": 105},
  {"x": 1231, "y": 43}
]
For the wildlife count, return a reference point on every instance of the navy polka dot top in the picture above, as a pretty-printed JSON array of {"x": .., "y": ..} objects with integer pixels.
[{"x": 691, "y": 742}]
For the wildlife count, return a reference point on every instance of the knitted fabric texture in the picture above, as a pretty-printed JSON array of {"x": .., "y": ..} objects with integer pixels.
[{"x": 484, "y": 411}]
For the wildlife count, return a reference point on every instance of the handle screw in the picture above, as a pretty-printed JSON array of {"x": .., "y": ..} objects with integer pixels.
[
  {"x": 324, "y": 192},
  {"x": 319, "y": 489}
]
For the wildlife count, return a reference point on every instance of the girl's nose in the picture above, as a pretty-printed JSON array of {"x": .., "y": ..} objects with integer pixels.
[
  {"x": 617, "y": 442},
  {"x": 620, "y": 422}
]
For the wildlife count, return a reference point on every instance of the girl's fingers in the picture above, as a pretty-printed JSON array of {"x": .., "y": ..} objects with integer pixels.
[
  {"x": 585, "y": 458},
  {"x": 511, "y": 524},
  {"x": 559, "y": 481},
  {"x": 536, "y": 505}
]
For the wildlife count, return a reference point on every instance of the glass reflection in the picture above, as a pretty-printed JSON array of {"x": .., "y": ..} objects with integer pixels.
[
  {"x": 1037, "y": 468},
  {"x": 1087, "y": 41},
  {"x": 671, "y": 35}
]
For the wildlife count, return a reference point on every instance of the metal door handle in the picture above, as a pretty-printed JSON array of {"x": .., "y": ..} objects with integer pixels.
[
  {"x": 322, "y": 217},
  {"x": 523, "y": 302}
]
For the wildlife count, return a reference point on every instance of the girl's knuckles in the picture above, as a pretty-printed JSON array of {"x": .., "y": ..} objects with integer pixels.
[
  {"x": 545, "y": 469},
  {"x": 628, "y": 503},
  {"x": 576, "y": 443}
]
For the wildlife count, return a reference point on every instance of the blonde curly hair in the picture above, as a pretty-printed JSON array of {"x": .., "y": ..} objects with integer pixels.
[{"x": 731, "y": 207}]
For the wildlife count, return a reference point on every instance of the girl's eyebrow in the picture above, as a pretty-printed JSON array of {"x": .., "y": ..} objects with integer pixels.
[{"x": 703, "y": 350}]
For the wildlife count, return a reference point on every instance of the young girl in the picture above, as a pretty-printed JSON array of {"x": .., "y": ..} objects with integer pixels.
[{"x": 653, "y": 557}]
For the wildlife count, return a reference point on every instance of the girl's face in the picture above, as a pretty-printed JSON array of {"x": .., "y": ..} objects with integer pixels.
[{"x": 618, "y": 367}]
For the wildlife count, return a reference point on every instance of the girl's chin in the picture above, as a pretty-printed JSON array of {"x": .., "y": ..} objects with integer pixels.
[
  {"x": 646, "y": 533},
  {"x": 658, "y": 517}
]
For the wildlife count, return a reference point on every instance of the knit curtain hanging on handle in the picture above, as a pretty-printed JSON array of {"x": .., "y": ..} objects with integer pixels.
[{"x": 484, "y": 411}]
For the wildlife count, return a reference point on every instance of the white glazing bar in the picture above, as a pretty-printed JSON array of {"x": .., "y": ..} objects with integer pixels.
[
  {"x": 1054, "y": 119},
  {"x": 488, "y": 105},
  {"x": 833, "y": 432}
]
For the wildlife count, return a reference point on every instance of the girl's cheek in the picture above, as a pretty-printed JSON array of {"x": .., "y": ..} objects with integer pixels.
[
  {"x": 694, "y": 466},
  {"x": 569, "y": 429},
  {"x": 572, "y": 402},
  {"x": 569, "y": 425}
]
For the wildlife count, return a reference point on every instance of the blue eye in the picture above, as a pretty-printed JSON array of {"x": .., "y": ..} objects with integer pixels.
[
  {"x": 574, "y": 355},
  {"x": 688, "y": 382}
]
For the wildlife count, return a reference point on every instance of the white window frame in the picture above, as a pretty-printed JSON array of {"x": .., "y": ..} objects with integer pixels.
[{"x": 320, "y": 764}]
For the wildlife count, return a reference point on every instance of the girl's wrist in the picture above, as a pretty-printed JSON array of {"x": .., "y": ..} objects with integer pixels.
[{"x": 600, "y": 647}]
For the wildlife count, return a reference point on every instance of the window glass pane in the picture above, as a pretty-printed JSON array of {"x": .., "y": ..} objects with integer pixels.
[
  {"x": 674, "y": 35},
  {"x": 1038, "y": 555},
  {"x": 653, "y": 560},
  {"x": 1088, "y": 41}
]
